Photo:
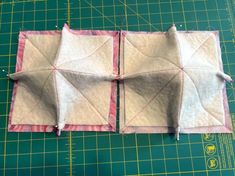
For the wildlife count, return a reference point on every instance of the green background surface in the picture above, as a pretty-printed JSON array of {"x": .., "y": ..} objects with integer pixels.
[{"x": 102, "y": 153}]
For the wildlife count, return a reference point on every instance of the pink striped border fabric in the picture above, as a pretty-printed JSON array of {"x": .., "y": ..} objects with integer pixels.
[
  {"x": 227, "y": 128},
  {"x": 113, "y": 97}
]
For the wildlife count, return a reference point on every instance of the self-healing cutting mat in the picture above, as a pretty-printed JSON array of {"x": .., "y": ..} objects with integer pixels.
[{"x": 102, "y": 153}]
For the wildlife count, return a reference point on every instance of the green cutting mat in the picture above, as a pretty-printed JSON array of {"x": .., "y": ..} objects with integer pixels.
[{"x": 91, "y": 153}]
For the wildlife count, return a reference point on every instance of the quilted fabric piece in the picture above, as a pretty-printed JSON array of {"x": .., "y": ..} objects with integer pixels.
[
  {"x": 172, "y": 82},
  {"x": 65, "y": 80}
]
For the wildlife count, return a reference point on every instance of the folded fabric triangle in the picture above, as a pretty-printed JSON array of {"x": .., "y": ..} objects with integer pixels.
[
  {"x": 65, "y": 80},
  {"x": 173, "y": 82},
  {"x": 169, "y": 82}
]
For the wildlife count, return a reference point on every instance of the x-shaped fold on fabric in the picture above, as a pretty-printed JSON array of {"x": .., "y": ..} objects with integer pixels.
[{"x": 170, "y": 82}]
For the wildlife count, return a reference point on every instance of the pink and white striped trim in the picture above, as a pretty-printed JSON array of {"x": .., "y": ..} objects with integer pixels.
[
  {"x": 226, "y": 128},
  {"x": 111, "y": 126}
]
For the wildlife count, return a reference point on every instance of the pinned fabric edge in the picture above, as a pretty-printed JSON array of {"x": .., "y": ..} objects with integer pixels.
[
  {"x": 177, "y": 84},
  {"x": 159, "y": 89},
  {"x": 30, "y": 67}
]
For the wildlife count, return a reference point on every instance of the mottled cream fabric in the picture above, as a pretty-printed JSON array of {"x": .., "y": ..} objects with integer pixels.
[
  {"x": 169, "y": 82},
  {"x": 35, "y": 101},
  {"x": 172, "y": 82},
  {"x": 65, "y": 79}
]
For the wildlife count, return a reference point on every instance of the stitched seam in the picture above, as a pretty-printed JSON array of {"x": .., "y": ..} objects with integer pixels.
[
  {"x": 40, "y": 51},
  {"x": 159, "y": 57},
  {"x": 168, "y": 82},
  {"x": 123, "y": 86},
  {"x": 19, "y": 56},
  {"x": 196, "y": 50},
  {"x": 40, "y": 96},
  {"x": 197, "y": 92},
  {"x": 85, "y": 57},
  {"x": 72, "y": 86}
]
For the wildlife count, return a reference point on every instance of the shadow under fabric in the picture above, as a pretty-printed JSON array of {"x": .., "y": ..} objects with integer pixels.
[
  {"x": 64, "y": 80},
  {"x": 173, "y": 82},
  {"x": 170, "y": 82}
]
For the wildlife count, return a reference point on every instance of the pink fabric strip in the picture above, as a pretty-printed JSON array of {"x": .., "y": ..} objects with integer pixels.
[
  {"x": 19, "y": 62},
  {"x": 92, "y": 32},
  {"x": 226, "y": 128},
  {"x": 68, "y": 127}
]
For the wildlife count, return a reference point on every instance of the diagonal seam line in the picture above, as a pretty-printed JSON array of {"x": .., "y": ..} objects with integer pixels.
[
  {"x": 93, "y": 52},
  {"x": 40, "y": 97},
  {"x": 126, "y": 125},
  {"x": 197, "y": 92},
  {"x": 196, "y": 50},
  {"x": 84, "y": 97},
  {"x": 159, "y": 57},
  {"x": 39, "y": 51}
]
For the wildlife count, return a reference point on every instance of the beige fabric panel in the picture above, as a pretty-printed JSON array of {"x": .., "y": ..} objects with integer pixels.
[
  {"x": 46, "y": 45},
  {"x": 78, "y": 107},
  {"x": 89, "y": 54},
  {"x": 35, "y": 99},
  {"x": 192, "y": 99},
  {"x": 77, "y": 92},
  {"x": 152, "y": 100}
]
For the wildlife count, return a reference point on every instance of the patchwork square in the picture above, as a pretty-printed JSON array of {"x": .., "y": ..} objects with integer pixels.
[
  {"x": 65, "y": 79},
  {"x": 172, "y": 82}
]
